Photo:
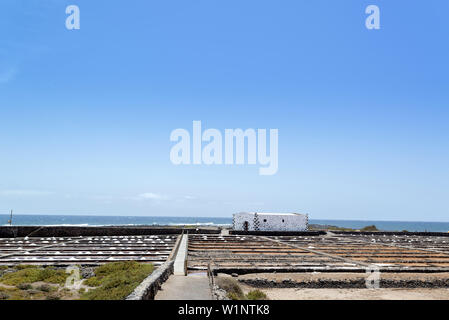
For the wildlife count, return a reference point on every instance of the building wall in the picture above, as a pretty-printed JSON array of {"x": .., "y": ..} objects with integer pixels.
[
  {"x": 265, "y": 222},
  {"x": 239, "y": 220}
]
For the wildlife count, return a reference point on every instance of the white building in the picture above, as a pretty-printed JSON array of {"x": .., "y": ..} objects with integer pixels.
[{"x": 261, "y": 221}]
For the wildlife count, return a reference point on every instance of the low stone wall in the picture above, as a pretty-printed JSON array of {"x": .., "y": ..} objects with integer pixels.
[
  {"x": 149, "y": 287},
  {"x": 278, "y": 233},
  {"x": 345, "y": 284},
  {"x": 393, "y": 233},
  {"x": 74, "y": 231}
]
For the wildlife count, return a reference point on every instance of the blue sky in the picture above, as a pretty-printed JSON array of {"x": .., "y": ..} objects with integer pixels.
[{"x": 86, "y": 115}]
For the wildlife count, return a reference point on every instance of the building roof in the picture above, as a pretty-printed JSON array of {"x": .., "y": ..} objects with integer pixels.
[{"x": 274, "y": 213}]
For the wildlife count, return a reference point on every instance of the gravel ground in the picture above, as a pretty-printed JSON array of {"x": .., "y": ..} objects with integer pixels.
[
  {"x": 337, "y": 286},
  {"x": 355, "y": 294}
]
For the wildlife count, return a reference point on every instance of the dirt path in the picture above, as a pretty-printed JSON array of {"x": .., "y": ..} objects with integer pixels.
[{"x": 357, "y": 294}]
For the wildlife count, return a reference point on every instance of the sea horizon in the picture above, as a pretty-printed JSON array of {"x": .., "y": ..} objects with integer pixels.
[{"x": 105, "y": 220}]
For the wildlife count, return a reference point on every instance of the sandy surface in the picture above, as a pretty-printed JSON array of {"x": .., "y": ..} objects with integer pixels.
[
  {"x": 355, "y": 294},
  {"x": 300, "y": 277},
  {"x": 349, "y": 293}
]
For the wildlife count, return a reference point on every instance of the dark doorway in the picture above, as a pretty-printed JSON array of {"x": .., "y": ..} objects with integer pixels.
[{"x": 245, "y": 226}]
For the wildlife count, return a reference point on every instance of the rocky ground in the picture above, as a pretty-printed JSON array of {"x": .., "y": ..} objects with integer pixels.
[
  {"x": 344, "y": 280},
  {"x": 33, "y": 282}
]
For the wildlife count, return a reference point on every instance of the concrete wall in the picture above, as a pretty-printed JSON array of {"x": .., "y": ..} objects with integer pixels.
[
  {"x": 391, "y": 233},
  {"x": 180, "y": 266}
]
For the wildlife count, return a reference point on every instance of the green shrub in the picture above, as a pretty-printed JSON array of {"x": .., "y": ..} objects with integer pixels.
[
  {"x": 369, "y": 228},
  {"x": 24, "y": 286},
  {"x": 34, "y": 274},
  {"x": 234, "y": 296},
  {"x": 4, "y": 296},
  {"x": 53, "y": 276},
  {"x": 53, "y": 297},
  {"x": 33, "y": 292},
  {"x": 256, "y": 295},
  {"x": 232, "y": 288},
  {"x": 44, "y": 288},
  {"x": 17, "y": 294},
  {"x": 25, "y": 266},
  {"x": 22, "y": 276},
  {"x": 115, "y": 281},
  {"x": 92, "y": 282}
]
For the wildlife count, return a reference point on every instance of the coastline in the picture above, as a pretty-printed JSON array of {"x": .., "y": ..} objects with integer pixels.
[{"x": 163, "y": 221}]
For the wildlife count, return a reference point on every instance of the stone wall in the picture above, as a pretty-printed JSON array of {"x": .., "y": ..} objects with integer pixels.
[
  {"x": 74, "y": 231},
  {"x": 149, "y": 287},
  {"x": 278, "y": 233},
  {"x": 393, "y": 233}
]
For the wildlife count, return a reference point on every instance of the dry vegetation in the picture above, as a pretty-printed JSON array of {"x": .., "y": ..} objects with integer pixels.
[
  {"x": 34, "y": 283},
  {"x": 235, "y": 292},
  {"x": 113, "y": 281}
]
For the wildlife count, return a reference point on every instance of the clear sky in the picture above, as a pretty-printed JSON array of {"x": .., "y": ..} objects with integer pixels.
[{"x": 86, "y": 115}]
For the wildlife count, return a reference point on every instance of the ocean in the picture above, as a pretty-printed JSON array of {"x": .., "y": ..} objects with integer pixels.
[{"x": 85, "y": 220}]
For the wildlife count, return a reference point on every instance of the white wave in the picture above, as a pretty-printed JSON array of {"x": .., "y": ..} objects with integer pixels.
[{"x": 120, "y": 224}]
